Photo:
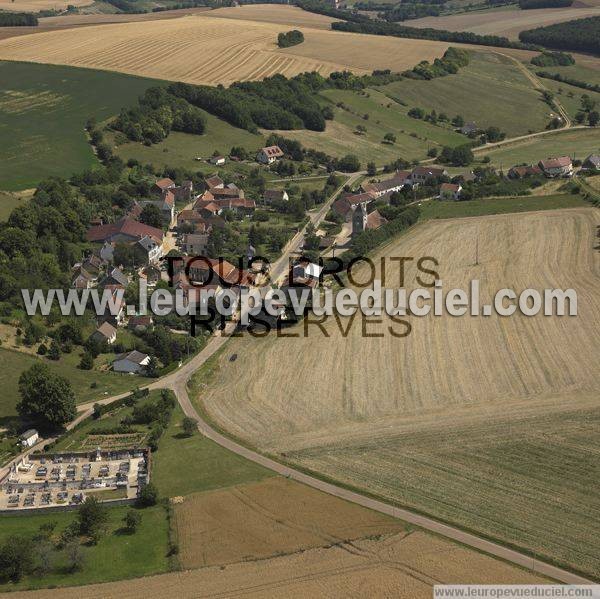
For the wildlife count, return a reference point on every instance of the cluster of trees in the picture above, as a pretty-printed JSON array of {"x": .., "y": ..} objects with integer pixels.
[
  {"x": 158, "y": 113},
  {"x": 553, "y": 59},
  {"x": 156, "y": 414},
  {"x": 527, "y": 4},
  {"x": 410, "y": 10},
  {"x": 459, "y": 156},
  {"x": 461, "y": 37},
  {"x": 491, "y": 184},
  {"x": 290, "y": 38},
  {"x": 582, "y": 35},
  {"x": 17, "y": 19},
  {"x": 46, "y": 397},
  {"x": 41, "y": 239},
  {"x": 587, "y": 112},
  {"x": 450, "y": 63},
  {"x": 274, "y": 103}
]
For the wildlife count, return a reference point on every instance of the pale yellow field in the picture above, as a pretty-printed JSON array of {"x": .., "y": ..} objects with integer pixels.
[
  {"x": 492, "y": 423},
  {"x": 37, "y": 5},
  {"x": 211, "y": 50},
  {"x": 507, "y": 23}
]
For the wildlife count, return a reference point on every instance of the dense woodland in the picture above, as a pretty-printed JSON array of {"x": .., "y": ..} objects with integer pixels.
[
  {"x": 17, "y": 19},
  {"x": 582, "y": 35}
]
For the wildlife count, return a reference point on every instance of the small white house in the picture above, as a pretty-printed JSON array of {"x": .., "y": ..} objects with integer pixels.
[
  {"x": 132, "y": 362},
  {"x": 269, "y": 154},
  {"x": 29, "y": 438},
  {"x": 217, "y": 160}
]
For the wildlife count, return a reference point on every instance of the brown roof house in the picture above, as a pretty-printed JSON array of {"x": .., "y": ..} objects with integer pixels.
[
  {"x": 125, "y": 230},
  {"x": 423, "y": 174},
  {"x": 557, "y": 167},
  {"x": 105, "y": 333},
  {"x": 450, "y": 191},
  {"x": 275, "y": 195},
  {"x": 381, "y": 188}
]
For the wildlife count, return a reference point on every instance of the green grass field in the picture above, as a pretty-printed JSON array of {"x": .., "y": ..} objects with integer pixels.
[
  {"x": 578, "y": 143},
  {"x": 43, "y": 111},
  {"x": 9, "y": 201},
  {"x": 117, "y": 555},
  {"x": 13, "y": 363},
  {"x": 182, "y": 149},
  {"x": 446, "y": 209},
  {"x": 184, "y": 465},
  {"x": 491, "y": 90}
]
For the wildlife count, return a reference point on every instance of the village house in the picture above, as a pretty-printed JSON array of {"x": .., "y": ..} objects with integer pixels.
[
  {"x": 133, "y": 362},
  {"x": 469, "y": 128},
  {"x": 450, "y": 191},
  {"x": 522, "y": 171},
  {"x": 361, "y": 221},
  {"x": 166, "y": 205},
  {"x": 115, "y": 277},
  {"x": 161, "y": 185},
  {"x": 152, "y": 251},
  {"x": 591, "y": 163},
  {"x": 557, "y": 167},
  {"x": 194, "y": 243},
  {"x": 81, "y": 279},
  {"x": 105, "y": 333},
  {"x": 214, "y": 182},
  {"x": 114, "y": 312},
  {"x": 346, "y": 205},
  {"x": 29, "y": 438},
  {"x": 269, "y": 154},
  {"x": 425, "y": 174},
  {"x": 107, "y": 251},
  {"x": 306, "y": 273},
  {"x": 125, "y": 230},
  {"x": 207, "y": 208},
  {"x": 216, "y": 271},
  {"x": 151, "y": 273},
  {"x": 388, "y": 186},
  {"x": 139, "y": 323},
  {"x": 217, "y": 160},
  {"x": 275, "y": 195}
]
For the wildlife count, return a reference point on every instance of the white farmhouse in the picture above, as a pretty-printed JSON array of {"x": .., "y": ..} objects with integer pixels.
[
  {"x": 29, "y": 438},
  {"x": 132, "y": 362}
]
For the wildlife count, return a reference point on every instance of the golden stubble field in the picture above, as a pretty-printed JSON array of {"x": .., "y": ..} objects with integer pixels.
[
  {"x": 491, "y": 423},
  {"x": 37, "y": 5},
  {"x": 508, "y": 23},
  {"x": 209, "y": 49}
]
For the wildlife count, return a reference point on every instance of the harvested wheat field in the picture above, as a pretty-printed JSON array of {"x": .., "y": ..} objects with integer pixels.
[
  {"x": 490, "y": 423},
  {"x": 508, "y": 23},
  {"x": 211, "y": 50},
  {"x": 37, "y": 5},
  {"x": 266, "y": 519},
  {"x": 291, "y": 16}
]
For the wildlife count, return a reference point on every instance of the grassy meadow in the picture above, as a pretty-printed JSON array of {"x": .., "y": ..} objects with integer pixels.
[
  {"x": 13, "y": 363},
  {"x": 438, "y": 209},
  {"x": 182, "y": 149},
  {"x": 578, "y": 143},
  {"x": 43, "y": 111},
  {"x": 491, "y": 90},
  {"x": 117, "y": 555}
]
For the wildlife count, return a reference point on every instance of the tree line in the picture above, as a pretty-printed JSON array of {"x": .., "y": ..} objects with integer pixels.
[
  {"x": 582, "y": 35},
  {"x": 462, "y": 37},
  {"x": 553, "y": 59},
  {"x": 527, "y": 4},
  {"x": 593, "y": 87},
  {"x": 18, "y": 19}
]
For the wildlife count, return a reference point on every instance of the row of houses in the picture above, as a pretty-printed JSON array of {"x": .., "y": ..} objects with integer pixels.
[{"x": 561, "y": 167}]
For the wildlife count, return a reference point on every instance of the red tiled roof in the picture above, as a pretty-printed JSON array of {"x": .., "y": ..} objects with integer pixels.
[
  {"x": 213, "y": 181},
  {"x": 359, "y": 198},
  {"x": 449, "y": 187},
  {"x": 124, "y": 226},
  {"x": 375, "y": 220},
  {"x": 272, "y": 151},
  {"x": 165, "y": 183}
]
